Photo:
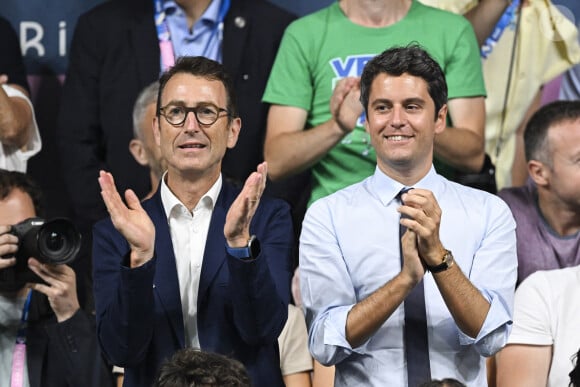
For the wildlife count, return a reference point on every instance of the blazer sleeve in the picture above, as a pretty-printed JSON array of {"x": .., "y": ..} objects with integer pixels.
[
  {"x": 260, "y": 289},
  {"x": 74, "y": 342},
  {"x": 123, "y": 298}
]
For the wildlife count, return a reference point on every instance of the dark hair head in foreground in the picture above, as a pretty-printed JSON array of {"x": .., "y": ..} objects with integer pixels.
[
  {"x": 194, "y": 368},
  {"x": 11, "y": 180}
]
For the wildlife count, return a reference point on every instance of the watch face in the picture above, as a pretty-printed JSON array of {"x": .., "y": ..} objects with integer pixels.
[{"x": 254, "y": 246}]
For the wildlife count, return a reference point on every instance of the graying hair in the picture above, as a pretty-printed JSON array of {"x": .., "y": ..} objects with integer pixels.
[{"x": 146, "y": 97}]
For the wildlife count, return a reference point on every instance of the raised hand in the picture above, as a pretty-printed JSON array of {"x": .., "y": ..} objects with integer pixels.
[
  {"x": 412, "y": 264},
  {"x": 130, "y": 220},
  {"x": 237, "y": 226},
  {"x": 345, "y": 105},
  {"x": 60, "y": 288},
  {"x": 424, "y": 218}
]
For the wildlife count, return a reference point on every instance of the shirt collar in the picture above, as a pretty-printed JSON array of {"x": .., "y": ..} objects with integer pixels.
[
  {"x": 209, "y": 16},
  {"x": 170, "y": 201},
  {"x": 387, "y": 188}
]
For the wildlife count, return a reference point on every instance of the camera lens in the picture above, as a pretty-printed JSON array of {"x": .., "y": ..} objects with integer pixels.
[
  {"x": 58, "y": 241},
  {"x": 55, "y": 241}
]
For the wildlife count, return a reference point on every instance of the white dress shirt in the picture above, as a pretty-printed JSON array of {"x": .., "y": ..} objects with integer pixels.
[{"x": 188, "y": 235}]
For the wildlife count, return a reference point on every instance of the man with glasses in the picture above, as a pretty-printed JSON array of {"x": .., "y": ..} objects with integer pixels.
[{"x": 201, "y": 264}]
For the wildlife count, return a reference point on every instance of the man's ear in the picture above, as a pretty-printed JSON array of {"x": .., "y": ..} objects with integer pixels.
[
  {"x": 539, "y": 172},
  {"x": 137, "y": 149},
  {"x": 156, "y": 130},
  {"x": 441, "y": 120},
  {"x": 234, "y": 131},
  {"x": 366, "y": 122}
]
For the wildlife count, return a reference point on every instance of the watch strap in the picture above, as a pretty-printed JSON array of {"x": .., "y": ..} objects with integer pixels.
[
  {"x": 446, "y": 264},
  {"x": 246, "y": 253},
  {"x": 238, "y": 252}
]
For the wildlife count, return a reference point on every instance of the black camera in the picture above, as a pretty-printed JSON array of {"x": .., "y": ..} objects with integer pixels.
[{"x": 55, "y": 241}]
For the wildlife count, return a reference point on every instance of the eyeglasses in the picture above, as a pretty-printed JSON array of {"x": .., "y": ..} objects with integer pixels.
[{"x": 206, "y": 114}]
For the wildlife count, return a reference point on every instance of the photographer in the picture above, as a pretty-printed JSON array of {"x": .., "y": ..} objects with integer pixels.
[{"x": 46, "y": 339}]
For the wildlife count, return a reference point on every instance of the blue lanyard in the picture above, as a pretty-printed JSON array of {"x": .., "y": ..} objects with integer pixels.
[
  {"x": 507, "y": 18},
  {"x": 21, "y": 336},
  {"x": 164, "y": 35}
]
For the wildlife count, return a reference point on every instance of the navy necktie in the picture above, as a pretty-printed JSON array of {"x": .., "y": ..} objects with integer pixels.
[{"x": 415, "y": 330}]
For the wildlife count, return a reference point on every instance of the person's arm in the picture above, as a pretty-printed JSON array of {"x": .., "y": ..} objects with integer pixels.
[
  {"x": 465, "y": 302},
  {"x": 463, "y": 144},
  {"x": 290, "y": 149},
  {"x": 484, "y": 16},
  {"x": 59, "y": 287},
  {"x": 259, "y": 286},
  {"x": 341, "y": 322},
  {"x": 298, "y": 379},
  {"x": 520, "y": 365},
  {"x": 72, "y": 340},
  {"x": 295, "y": 359},
  {"x": 322, "y": 376},
  {"x": 124, "y": 268},
  {"x": 369, "y": 314},
  {"x": 15, "y": 118}
]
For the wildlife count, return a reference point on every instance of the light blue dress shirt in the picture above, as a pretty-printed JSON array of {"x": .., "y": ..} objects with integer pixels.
[
  {"x": 349, "y": 247},
  {"x": 204, "y": 39}
]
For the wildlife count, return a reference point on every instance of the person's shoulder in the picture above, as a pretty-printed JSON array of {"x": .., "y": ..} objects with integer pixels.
[
  {"x": 480, "y": 206},
  {"x": 518, "y": 197},
  {"x": 561, "y": 276},
  {"x": 110, "y": 11},
  {"x": 343, "y": 196},
  {"x": 441, "y": 14},
  {"x": 312, "y": 21},
  {"x": 264, "y": 10},
  {"x": 551, "y": 284}
]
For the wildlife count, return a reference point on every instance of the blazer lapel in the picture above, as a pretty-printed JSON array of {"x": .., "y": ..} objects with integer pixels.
[
  {"x": 166, "y": 282},
  {"x": 215, "y": 255},
  {"x": 237, "y": 25}
]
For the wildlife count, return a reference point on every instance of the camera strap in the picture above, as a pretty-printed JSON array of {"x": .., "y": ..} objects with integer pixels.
[{"x": 19, "y": 354}]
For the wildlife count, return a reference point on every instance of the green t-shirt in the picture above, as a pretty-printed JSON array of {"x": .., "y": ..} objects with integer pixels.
[{"x": 320, "y": 49}]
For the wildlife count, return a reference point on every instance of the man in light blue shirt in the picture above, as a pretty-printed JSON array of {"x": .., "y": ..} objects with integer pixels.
[
  {"x": 459, "y": 242},
  {"x": 203, "y": 37}
]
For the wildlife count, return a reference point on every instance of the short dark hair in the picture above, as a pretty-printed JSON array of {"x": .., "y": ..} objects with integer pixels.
[
  {"x": 200, "y": 66},
  {"x": 11, "y": 180},
  {"x": 536, "y": 132},
  {"x": 191, "y": 367},
  {"x": 411, "y": 59}
]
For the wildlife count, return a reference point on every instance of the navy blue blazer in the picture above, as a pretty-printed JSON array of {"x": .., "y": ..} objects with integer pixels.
[{"x": 242, "y": 306}]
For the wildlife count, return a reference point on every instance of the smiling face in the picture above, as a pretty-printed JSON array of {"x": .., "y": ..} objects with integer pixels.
[
  {"x": 401, "y": 124},
  {"x": 190, "y": 148}
]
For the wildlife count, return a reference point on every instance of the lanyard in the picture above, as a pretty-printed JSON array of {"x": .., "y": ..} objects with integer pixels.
[
  {"x": 505, "y": 20},
  {"x": 164, "y": 35},
  {"x": 19, "y": 355}
]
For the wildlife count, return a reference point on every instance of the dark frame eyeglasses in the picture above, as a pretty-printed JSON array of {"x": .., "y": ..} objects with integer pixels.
[{"x": 206, "y": 114}]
